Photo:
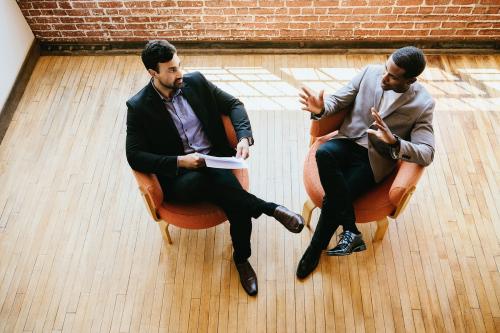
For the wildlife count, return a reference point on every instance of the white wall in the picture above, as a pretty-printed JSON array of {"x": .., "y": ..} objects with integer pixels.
[{"x": 15, "y": 40}]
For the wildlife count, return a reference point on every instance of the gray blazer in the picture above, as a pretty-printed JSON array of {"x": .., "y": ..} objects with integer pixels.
[{"x": 410, "y": 118}]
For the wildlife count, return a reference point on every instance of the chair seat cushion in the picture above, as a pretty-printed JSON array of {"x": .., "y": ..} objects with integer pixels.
[
  {"x": 372, "y": 206},
  {"x": 199, "y": 215}
]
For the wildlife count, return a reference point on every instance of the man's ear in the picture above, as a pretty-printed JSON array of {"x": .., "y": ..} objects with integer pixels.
[
  {"x": 411, "y": 80},
  {"x": 152, "y": 72}
]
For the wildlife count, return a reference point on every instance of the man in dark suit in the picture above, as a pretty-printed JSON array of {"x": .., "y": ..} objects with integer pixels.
[{"x": 175, "y": 117}]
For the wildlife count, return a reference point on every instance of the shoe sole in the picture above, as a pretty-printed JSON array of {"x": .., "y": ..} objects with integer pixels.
[{"x": 358, "y": 248}]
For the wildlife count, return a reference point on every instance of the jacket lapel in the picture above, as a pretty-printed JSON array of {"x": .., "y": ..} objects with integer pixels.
[
  {"x": 378, "y": 94},
  {"x": 158, "y": 111},
  {"x": 198, "y": 107},
  {"x": 402, "y": 100}
]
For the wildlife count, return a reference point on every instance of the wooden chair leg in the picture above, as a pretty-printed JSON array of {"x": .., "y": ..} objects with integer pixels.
[
  {"x": 164, "y": 231},
  {"x": 381, "y": 229},
  {"x": 307, "y": 211}
]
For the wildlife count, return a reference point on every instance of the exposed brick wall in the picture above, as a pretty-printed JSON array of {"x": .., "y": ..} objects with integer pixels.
[{"x": 260, "y": 20}]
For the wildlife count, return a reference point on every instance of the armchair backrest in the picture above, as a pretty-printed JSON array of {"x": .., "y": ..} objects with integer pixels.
[
  {"x": 230, "y": 132},
  {"x": 327, "y": 125}
]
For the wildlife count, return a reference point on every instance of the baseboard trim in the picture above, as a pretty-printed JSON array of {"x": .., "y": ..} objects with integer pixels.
[
  {"x": 18, "y": 88},
  {"x": 299, "y": 47}
]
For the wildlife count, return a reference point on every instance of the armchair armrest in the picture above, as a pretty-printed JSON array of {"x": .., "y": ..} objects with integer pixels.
[
  {"x": 151, "y": 191},
  {"x": 404, "y": 184}
]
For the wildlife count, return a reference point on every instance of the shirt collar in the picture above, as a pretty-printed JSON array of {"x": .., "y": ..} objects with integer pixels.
[{"x": 176, "y": 93}]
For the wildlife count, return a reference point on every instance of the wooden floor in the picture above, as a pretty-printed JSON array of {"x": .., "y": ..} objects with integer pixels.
[{"x": 78, "y": 251}]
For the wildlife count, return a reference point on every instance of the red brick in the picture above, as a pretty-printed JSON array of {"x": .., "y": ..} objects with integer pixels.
[
  {"x": 137, "y": 4},
  {"x": 351, "y": 3},
  {"x": 73, "y": 33},
  {"x": 117, "y": 19},
  {"x": 44, "y": 5},
  {"x": 320, "y": 11},
  {"x": 295, "y": 3},
  {"x": 279, "y": 20},
  {"x": 385, "y": 10},
  {"x": 364, "y": 10},
  {"x": 72, "y": 19},
  {"x": 88, "y": 26},
  {"x": 189, "y": 3},
  {"x": 437, "y": 2},
  {"x": 425, "y": 10},
  {"x": 427, "y": 25},
  {"x": 214, "y": 18},
  {"x": 110, "y": 4},
  {"x": 47, "y": 20},
  {"x": 493, "y": 10},
  {"x": 389, "y": 32},
  {"x": 160, "y": 4},
  {"x": 373, "y": 25},
  {"x": 64, "y": 4},
  {"x": 84, "y": 4},
  {"x": 78, "y": 12},
  {"x": 399, "y": 25},
  {"x": 409, "y": 2},
  {"x": 441, "y": 32},
  {"x": 25, "y": 5},
  {"x": 491, "y": 32},
  {"x": 40, "y": 27},
  {"x": 192, "y": 11},
  {"x": 453, "y": 25},
  {"x": 363, "y": 32},
  {"x": 416, "y": 32},
  {"x": 49, "y": 34},
  {"x": 411, "y": 10},
  {"x": 383, "y": 3},
  {"x": 64, "y": 27},
  {"x": 135, "y": 19},
  {"x": 97, "y": 19},
  {"x": 480, "y": 25}
]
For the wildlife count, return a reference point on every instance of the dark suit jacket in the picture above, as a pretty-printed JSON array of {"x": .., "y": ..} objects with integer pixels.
[{"x": 153, "y": 142}]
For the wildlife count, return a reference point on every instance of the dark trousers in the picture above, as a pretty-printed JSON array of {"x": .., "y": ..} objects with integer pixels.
[
  {"x": 222, "y": 188},
  {"x": 345, "y": 174}
]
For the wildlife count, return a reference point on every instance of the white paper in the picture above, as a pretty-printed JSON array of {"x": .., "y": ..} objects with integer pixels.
[{"x": 224, "y": 162}]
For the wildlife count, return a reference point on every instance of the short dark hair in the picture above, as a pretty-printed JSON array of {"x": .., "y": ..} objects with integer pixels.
[
  {"x": 157, "y": 51},
  {"x": 411, "y": 59}
]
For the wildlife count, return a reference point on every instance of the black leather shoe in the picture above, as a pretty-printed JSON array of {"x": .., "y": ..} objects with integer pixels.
[
  {"x": 349, "y": 242},
  {"x": 248, "y": 278},
  {"x": 292, "y": 221},
  {"x": 308, "y": 263}
]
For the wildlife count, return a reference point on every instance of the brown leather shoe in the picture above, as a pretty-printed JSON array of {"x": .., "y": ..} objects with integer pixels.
[
  {"x": 292, "y": 221},
  {"x": 248, "y": 278}
]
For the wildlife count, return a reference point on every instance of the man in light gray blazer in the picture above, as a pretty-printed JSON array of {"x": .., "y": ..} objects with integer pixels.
[{"x": 391, "y": 119}]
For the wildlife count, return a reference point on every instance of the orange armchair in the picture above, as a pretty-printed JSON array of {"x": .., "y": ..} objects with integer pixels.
[
  {"x": 191, "y": 216},
  {"x": 386, "y": 199}
]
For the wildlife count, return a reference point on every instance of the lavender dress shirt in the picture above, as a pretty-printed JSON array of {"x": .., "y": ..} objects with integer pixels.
[{"x": 187, "y": 123}]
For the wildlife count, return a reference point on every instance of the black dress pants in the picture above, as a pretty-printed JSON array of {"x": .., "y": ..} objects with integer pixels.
[
  {"x": 222, "y": 188},
  {"x": 345, "y": 174}
]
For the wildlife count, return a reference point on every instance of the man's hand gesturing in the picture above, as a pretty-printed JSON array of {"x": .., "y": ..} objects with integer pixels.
[
  {"x": 313, "y": 104},
  {"x": 383, "y": 132}
]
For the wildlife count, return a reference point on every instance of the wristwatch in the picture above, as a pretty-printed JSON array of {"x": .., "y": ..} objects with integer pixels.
[
  {"x": 395, "y": 147},
  {"x": 249, "y": 139}
]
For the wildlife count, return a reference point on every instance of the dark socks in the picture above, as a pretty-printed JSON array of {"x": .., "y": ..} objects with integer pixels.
[{"x": 352, "y": 228}]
